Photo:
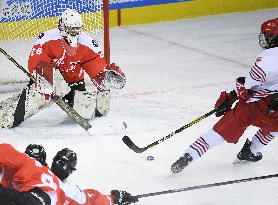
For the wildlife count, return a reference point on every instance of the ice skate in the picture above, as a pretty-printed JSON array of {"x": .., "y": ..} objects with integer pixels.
[
  {"x": 245, "y": 155},
  {"x": 181, "y": 163}
]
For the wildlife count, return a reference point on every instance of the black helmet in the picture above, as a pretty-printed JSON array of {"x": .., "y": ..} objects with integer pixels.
[
  {"x": 64, "y": 163},
  {"x": 37, "y": 152}
]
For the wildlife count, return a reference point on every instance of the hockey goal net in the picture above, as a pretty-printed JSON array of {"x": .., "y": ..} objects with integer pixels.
[{"x": 21, "y": 21}]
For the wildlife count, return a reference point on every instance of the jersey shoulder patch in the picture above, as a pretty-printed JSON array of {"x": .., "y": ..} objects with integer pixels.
[
  {"x": 88, "y": 41},
  {"x": 49, "y": 35}
]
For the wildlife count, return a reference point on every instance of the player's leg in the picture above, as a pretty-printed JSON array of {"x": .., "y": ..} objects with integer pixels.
[
  {"x": 250, "y": 150},
  {"x": 229, "y": 128},
  {"x": 197, "y": 149}
]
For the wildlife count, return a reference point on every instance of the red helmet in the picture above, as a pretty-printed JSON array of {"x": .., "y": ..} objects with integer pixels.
[{"x": 269, "y": 34}]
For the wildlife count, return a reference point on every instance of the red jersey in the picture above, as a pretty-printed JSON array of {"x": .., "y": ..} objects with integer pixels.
[
  {"x": 23, "y": 173},
  {"x": 76, "y": 196},
  {"x": 51, "y": 47}
]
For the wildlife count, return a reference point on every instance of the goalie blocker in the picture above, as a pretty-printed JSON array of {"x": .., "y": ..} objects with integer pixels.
[{"x": 88, "y": 104}]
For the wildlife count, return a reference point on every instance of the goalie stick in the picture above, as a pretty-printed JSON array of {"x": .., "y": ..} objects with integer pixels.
[
  {"x": 137, "y": 149},
  {"x": 207, "y": 185},
  {"x": 56, "y": 99}
]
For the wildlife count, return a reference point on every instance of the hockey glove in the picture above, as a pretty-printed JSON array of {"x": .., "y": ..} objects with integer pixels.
[
  {"x": 123, "y": 197},
  {"x": 273, "y": 105},
  {"x": 224, "y": 102},
  {"x": 111, "y": 78},
  {"x": 242, "y": 93}
]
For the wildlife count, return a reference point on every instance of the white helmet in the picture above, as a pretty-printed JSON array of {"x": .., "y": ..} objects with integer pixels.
[{"x": 70, "y": 25}]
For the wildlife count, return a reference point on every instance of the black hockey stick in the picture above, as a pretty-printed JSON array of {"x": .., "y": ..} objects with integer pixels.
[
  {"x": 137, "y": 149},
  {"x": 56, "y": 99},
  {"x": 207, "y": 186}
]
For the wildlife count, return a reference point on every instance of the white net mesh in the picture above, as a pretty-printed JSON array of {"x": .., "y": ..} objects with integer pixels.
[{"x": 21, "y": 21}]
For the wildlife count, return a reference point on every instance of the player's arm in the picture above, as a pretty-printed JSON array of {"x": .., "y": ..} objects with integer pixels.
[
  {"x": 117, "y": 197},
  {"x": 41, "y": 67},
  {"x": 39, "y": 53},
  {"x": 105, "y": 77},
  {"x": 97, "y": 198},
  {"x": 10, "y": 157},
  {"x": 257, "y": 76}
]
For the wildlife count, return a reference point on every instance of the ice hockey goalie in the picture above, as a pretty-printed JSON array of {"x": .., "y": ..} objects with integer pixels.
[{"x": 59, "y": 60}]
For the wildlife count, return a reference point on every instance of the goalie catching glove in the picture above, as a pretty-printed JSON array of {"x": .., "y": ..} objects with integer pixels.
[
  {"x": 112, "y": 77},
  {"x": 123, "y": 197}
]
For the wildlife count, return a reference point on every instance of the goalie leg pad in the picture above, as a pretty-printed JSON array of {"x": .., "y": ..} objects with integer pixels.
[
  {"x": 19, "y": 107},
  {"x": 85, "y": 103},
  {"x": 7, "y": 110},
  {"x": 34, "y": 102},
  {"x": 103, "y": 103}
]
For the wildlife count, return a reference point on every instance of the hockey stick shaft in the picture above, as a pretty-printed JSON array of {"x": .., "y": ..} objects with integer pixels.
[
  {"x": 181, "y": 128},
  {"x": 56, "y": 99},
  {"x": 17, "y": 64},
  {"x": 207, "y": 186},
  {"x": 137, "y": 149}
]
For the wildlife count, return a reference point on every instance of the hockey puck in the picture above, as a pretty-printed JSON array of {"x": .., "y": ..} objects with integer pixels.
[
  {"x": 125, "y": 125},
  {"x": 150, "y": 158}
]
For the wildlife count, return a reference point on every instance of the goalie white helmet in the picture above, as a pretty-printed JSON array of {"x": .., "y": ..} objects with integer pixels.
[{"x": 70, "y": 26}]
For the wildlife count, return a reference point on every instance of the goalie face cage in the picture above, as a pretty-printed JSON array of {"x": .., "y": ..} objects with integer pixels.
[{"x": 21, "y": 21}]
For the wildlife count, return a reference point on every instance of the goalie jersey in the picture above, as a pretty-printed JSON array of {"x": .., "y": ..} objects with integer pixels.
[{"x": 51, "y": 47}]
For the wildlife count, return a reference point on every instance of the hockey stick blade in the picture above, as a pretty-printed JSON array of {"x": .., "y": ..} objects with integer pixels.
[{"x": 132, "y": 146}]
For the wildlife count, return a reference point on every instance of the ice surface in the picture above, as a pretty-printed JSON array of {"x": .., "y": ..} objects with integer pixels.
[{"x": 175, "y": 71}]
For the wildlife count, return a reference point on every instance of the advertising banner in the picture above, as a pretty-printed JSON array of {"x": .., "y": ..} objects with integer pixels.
[
  {"x": 13, "y": 10},
  {"x": 121, "y": 4}
]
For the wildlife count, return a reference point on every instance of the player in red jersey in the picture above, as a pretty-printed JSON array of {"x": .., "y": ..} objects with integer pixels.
[
  {"x": 25, "y": 180},
  {"x": 72, "y": 52},
  {"x": 63, "y": 165}
]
